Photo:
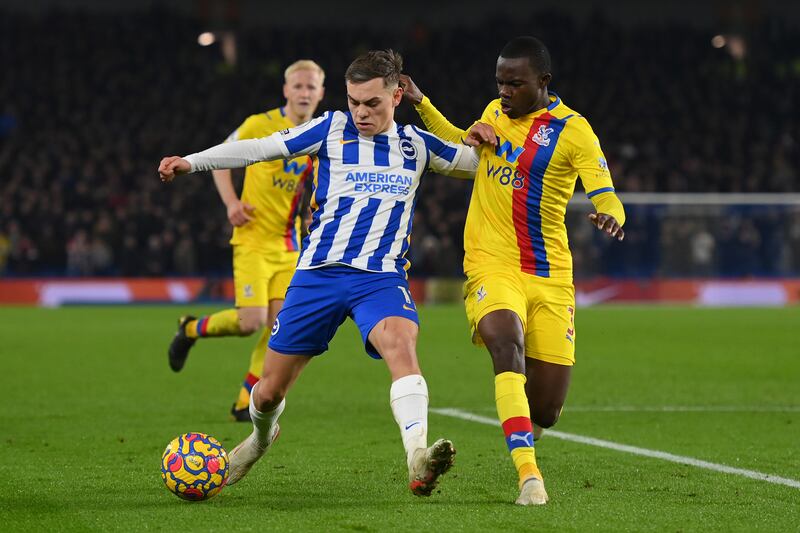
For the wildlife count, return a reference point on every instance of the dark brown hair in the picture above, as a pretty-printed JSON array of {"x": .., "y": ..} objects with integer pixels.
[{"x": 386, "y": 64}]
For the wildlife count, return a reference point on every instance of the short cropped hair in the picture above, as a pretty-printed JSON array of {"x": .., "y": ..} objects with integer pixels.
[
  {"x": 530, "y": 47},
  {"x": 304, "y": 64},
  {"x": 386, "y": 64}
]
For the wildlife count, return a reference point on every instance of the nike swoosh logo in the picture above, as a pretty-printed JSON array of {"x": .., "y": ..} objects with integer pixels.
[
  {"x": 342, "y": 141},
  {"x": 411, "y": 425},
  {"x": 407, "y": 308},
  {"x": 596, "y": 296}
]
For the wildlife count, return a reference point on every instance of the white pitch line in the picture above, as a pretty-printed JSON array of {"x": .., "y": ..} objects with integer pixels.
[
  {"x": 680, "y": 459},
  {"x": 683, "y": 408}
]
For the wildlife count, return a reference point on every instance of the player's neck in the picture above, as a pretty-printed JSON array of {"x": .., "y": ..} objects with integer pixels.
[
  {"x": 295, "y": 118},
  {"x": 540, "y": 104}
]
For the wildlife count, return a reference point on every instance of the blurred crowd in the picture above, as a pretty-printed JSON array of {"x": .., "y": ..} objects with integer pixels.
[{"x": 90, "y": 102}]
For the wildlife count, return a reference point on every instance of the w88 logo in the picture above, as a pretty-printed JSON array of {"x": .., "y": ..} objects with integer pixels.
[{"x": 505, "y": 175}]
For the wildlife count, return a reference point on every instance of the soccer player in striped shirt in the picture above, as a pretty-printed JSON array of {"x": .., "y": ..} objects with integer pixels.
[
  {"x": 366, "y": 172},
  {"x": 266, "y": 227},
  {"x": 519, "y": 295}
]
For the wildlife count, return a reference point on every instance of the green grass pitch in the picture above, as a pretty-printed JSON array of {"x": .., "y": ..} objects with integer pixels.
[{"x": 89, "y": 403}]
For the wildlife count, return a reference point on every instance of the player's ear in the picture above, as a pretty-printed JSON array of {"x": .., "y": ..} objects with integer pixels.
[
  {"x": 397, "y": 96},
  {"x": 544, "y": 81}
]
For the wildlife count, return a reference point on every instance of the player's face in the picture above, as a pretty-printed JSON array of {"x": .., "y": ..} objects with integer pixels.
[
  {"x": 372, "y": 105},
  {"x": 303, "y": 91},
  {"x": 521, "y": 88}
]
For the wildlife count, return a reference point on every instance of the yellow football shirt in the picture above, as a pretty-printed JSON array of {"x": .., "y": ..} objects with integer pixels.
[
  {"x": 274, "y": 188},
  {"x": 519, "y": 200}
]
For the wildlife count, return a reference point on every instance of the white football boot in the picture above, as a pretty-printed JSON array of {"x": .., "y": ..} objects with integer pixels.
[
  {"x": 428, "y": 464},
  {"x": 532, "y": 492},
  {"x": 246, "y": 454}
]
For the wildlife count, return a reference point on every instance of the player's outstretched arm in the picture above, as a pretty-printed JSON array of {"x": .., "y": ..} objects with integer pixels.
[
  {"x": 458, "y": 160},
  {"x": 608, "y": 224},
  {"x": 434, "y": 121},
  {"x": 236, "y": 154}
]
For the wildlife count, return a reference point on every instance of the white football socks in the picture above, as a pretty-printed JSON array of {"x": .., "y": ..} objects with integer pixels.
[
  {"x": 264, "y": 422},
  {"x": 409, "y": 400}
]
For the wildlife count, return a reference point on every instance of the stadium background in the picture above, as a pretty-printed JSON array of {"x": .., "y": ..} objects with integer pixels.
[{"x": 698, "y": 100}]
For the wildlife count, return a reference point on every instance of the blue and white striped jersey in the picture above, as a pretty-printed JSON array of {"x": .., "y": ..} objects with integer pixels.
[{"x": 364, "y": 188}]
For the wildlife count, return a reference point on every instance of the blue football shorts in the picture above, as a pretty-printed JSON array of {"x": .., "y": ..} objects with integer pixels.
[{"x": 319, "y": 300}]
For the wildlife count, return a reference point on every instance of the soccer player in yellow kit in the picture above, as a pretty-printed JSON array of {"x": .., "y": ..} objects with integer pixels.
[
  {"x": 519, "y": 294},
  {"x": 266, "y": 233}
]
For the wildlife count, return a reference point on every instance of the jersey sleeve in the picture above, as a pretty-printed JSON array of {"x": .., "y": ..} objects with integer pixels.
[
  {"x": 306, "y": 139},
  {"x": 589, "y": 161},
  {"x": 437, "y": 123},
  {"x": 457, "y": 160},
  {"x": 609, "y": 204},
  {"x": 237, "y": 154}
]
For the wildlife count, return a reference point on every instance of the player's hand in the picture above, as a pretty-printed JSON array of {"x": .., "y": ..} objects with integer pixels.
[
  {"x": 608, "y": 224},
  {"x": 172, "y": 166},
  {"x": 240, "y": 213},
  {"x": 411, "y": 92},
  {"x": 480, "y": 133}
]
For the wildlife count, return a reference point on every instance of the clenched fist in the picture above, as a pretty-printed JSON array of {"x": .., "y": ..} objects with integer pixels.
[{"x": 172, "y": 166}]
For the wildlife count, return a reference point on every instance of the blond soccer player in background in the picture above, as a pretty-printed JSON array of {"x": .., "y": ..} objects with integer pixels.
[{"x": 266, "y": 231}]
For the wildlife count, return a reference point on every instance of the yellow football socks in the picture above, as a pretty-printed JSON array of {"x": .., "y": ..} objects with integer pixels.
[
  {"x": 515, "y": 417},
  {"x": 254, "y": 372},
  {"x": 222, "y": 324}
]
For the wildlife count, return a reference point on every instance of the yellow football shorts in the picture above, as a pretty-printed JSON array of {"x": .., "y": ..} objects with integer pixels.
[
  {"x": 545, "y": 306},
  {"x": 259, "y": 277}
]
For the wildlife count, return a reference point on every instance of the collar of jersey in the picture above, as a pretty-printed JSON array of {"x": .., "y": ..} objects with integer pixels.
[{"x": 550, "y": 107}]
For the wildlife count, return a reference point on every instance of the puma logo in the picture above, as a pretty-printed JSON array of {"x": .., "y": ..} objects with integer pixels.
[{"x": 527, "y": 438}]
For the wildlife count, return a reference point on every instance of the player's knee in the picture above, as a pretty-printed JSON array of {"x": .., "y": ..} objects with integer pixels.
[
  {"x": 267, "y": 395},
  {"x": 399, "y": 347},
  {"x": 251, "y": 322},
  {"x": 394, "y": 340},
  {"x": 508, "y": 355},
  {"x": 545, "y": 416}
]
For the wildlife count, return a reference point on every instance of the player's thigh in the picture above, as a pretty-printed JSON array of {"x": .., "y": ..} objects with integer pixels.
[
  {"x": 377, "y": 296},
  {"x": 251, "y": 273},
  {"x": 273, "y": 310},
  {"x": 489, "y": 290},
  {"x": 277, "y": 286},
  {"x": 550, "y": 348},
  {"x": 314, "y": 308},
  {"x": 281, "y": 272},
  {"x": 550, "y": 332}
]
